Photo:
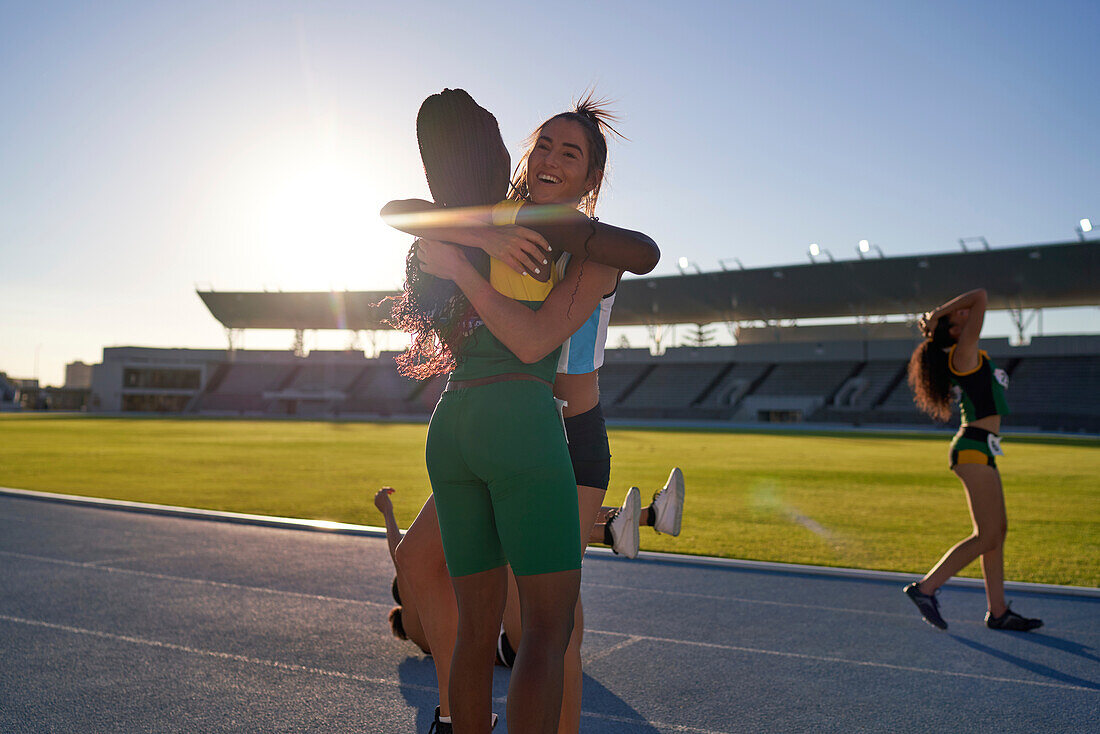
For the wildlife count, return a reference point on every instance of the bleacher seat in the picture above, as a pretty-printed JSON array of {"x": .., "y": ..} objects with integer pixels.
[{"x": 672, "y": 386}]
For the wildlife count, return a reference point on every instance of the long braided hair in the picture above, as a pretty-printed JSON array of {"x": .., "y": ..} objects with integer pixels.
[
  {"x": 466, "y": 164},
  {"x": 929, "y": 374}
]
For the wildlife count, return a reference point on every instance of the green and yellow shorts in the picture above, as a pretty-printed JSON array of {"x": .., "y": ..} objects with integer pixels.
[
  {"x": 503, "y": 483},
  {"x": 975, "y": 446}
]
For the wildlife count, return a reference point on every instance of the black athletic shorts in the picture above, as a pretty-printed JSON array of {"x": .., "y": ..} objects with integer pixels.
[{"x": 588, "y": 448}]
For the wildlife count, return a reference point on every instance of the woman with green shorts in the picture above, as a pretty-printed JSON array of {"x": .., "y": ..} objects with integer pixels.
[
  {"x": 501, "y": 476},
  {"x": 949, "y": 365}
]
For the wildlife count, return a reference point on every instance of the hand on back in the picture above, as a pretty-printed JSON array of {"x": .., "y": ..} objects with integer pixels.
[{"x": 524, "y": 250}]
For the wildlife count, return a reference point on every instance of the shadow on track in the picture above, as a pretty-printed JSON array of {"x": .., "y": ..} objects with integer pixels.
[
  {"x": 416, "y": 671},
  {"x": 1029, "y": 665},
  {"x": 1057, "y": 643}
]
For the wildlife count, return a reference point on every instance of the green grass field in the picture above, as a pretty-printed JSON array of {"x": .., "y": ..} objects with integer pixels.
[{"x": 868, "y": 501}]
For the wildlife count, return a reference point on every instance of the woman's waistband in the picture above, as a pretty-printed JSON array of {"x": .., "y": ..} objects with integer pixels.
[
  {"x": 505, "y": 377},
  {"x": 974, "y": 433}
]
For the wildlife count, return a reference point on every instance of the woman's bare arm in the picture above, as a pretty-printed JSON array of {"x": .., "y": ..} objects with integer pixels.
[
  {"x": 385, "y": 506},
  {"x": 572, "y": 231},
  {"x": 557, "y": 227},
  {"x": 530, "y": 335},
  {"x": 521, "y": 249}
]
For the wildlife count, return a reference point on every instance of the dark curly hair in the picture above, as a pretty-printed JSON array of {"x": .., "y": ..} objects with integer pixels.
[
  {"x": 396, "y": 626},
  {"x": 466, "y": 164},
  {"x": 930, "y": 375}
]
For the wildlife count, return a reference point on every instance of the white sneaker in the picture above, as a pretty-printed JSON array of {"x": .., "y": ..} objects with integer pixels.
[
  {"x": 624, "y": 526},
  {"x": 668, "y": 504}
]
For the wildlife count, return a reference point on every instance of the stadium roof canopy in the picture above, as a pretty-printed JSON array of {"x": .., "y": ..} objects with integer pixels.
[{"x": 1034, "y": 276}]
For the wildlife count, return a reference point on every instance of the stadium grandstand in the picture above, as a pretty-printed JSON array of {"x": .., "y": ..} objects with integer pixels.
[{"x": 842, "y": 373}]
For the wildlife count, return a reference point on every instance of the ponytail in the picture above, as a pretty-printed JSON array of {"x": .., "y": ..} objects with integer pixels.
[{"x": 930, "y": 375}]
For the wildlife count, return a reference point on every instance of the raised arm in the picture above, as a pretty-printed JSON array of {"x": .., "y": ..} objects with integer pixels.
[
  {"x": 530, "y": 335},
  {"x": 966, "y": 351},
  {"x": 570, "y": 230},
  {"x": 385, "y": 506},
  {"x": 524, "y": 250}
]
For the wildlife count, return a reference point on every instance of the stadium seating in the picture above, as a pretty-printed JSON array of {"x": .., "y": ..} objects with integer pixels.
[{"x": 1054, "y": 385}]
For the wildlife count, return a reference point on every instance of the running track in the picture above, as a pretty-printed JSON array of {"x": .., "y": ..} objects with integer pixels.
[{"x": 121, "y": 622}]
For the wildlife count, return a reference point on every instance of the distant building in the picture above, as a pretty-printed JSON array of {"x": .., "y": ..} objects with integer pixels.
[
  {"x": 78, "y": 375},
  {"x": 9, "y": 393}
]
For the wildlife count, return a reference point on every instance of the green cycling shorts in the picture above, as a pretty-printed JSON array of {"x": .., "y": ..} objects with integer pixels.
[{"x": 503, "y": 482}]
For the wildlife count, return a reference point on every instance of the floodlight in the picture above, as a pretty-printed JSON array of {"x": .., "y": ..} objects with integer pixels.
[
  {"x": 865, "y": 246},
  {"x": 683, "y": 263},
  {"x": 1083, "y": 227},
  {"x": 816, "y": 250}
]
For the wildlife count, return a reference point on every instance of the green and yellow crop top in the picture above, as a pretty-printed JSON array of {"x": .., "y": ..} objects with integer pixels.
[
  {"x": 980, "y": 391},
  {"x": 483, "y": 355}
]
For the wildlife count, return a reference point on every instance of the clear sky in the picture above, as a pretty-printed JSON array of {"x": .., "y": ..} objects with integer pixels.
[{"x": 147, "y": 148}]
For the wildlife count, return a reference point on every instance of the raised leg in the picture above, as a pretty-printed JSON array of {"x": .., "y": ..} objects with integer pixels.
[{"x": 420, "y": 561}]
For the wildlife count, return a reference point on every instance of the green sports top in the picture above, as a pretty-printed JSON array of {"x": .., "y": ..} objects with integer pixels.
[
  {"x": 483, "y": 355},
  {"x": 980, "y": 391}
]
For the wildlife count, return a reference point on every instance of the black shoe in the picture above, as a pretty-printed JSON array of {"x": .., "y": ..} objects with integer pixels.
[
  {"x": 927, "y": 604},
  {"x": 1012, "y": 622},
  {"x": 439, "y": 727}
]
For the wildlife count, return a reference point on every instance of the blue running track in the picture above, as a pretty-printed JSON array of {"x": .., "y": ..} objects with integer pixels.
[{"x": 125, "y": 622}]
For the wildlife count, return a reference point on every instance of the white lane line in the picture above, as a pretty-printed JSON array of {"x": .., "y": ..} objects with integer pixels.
[
  {"x": 321, "y": 597},
  {"x": 795, "y": 605},
  {"x": 126, "y": 559},
  {"x": 717, "y": 597},
  {"x": 297, "y": 668},
  {"x": 845, "y": 661},
  {"x": 188, "y": 580},
  {"x": 588, "y": 660},
  {"x": 645, "y": 722}
]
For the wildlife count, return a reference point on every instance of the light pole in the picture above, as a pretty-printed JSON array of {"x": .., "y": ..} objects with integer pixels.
[
  {"x": 964, "y": 240},
  {"x": 865, "y": 246},
  {"x": 815, "y": 251},
  {"x": 1083, "y": 228},
  {"x": 683, "y": 263}
]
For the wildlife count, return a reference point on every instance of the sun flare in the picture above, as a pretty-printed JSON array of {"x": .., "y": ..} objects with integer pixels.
[{"x": 308, "y": 214}]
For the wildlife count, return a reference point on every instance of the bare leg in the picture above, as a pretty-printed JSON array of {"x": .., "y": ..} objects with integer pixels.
[
  {"x": 987, "y": 511},
  {"x": 513, "y": 625},
  {"x": 589, "y": 500},
  {"x": 481, "y": 599},
  {"x": 547, "y": 604},
  {"x": 420, "y": 559}
]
